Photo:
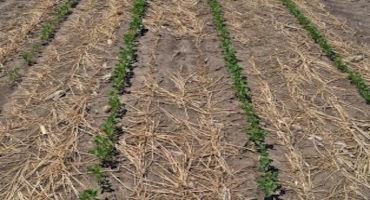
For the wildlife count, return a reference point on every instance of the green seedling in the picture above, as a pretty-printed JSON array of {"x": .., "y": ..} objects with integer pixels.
[
  {"x": 104, "y": 143},
  {"x": 109, "y": 125},
  {"x": 103, "y": 147},
  {"x": 27, "y": 57},
  {"x": 63, "y": 10},
  {"x": 267, "y": 181},
  {"x": 47, "y": 31},
  {"x": 97, "y": 171},
  {"x": 88, "y": 194},
  {"x": 13, "y": 75}
]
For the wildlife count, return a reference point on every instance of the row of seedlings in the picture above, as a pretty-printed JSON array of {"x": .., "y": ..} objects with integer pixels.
[
  {"x": 267, "y": 181},
  {"x": 104, "y": 143},
  {"x": 49, "y": 28},
  {"x": 45, "y": 35},
  {"x": 354, "y": 77}
]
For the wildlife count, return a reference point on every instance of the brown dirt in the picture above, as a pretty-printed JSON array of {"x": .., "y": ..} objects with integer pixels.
[
  {"x": 319, "y": 124},
  {"x": 183, "y": 132},
  {"x": 45, "y": 129}
]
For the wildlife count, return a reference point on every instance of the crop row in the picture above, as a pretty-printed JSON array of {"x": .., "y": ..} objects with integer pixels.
[
  {"x": 104, "y": 143},
  {"x": 46, "y": 33},
  {"x": 315, "y": 34},
  {"x": 267, "y": 180},
  {"x": 48, "y": 28}
]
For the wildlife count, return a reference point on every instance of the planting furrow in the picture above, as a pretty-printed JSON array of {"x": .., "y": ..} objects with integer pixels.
[
  {"x": 47, "y": 126},
  {"x": 26, "y": 55},
  {"x": 318, "y": 123},
  {"x": 355, "y": 78},
  {"x": 183, "y": 131},
  {"x": 17, "y": 20}
]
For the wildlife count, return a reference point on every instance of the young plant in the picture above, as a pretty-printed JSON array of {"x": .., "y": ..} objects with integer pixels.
[
  {"x": 13, "y": 75},
  {"x": 27, "y": 57},
  {"x": 61, "y": 12},
  {"x": 97, "y": 171},
  {"x": 47, "y": 31},
  {"x": 103, "y": 148},
  {"x": 88, "y": 194},
  {"x": 104, "y": 143}
]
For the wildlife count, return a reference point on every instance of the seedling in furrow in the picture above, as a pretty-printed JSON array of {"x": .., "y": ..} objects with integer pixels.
[
  {"x": 61, "y": 12},
  {"x": 46, "y": 31}
]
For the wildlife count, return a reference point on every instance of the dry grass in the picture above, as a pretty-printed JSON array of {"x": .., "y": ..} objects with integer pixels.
[
  {"x": 18, "y": 28},
  {"x": 175, "y": 146},
  {"x": 178, "y": 17},
  {"x": 319, "y": 123},
  {"x": 45, "y": 129}
]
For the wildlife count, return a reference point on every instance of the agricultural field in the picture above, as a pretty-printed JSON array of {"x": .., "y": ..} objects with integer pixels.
[{"x": 184, "y": 99}]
